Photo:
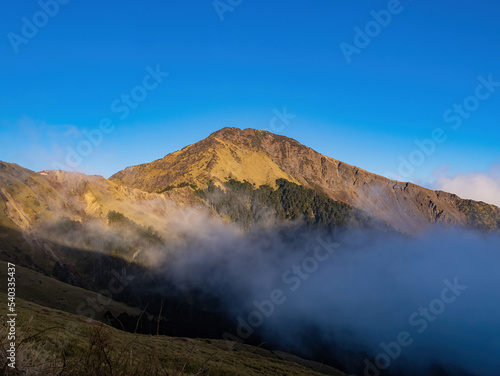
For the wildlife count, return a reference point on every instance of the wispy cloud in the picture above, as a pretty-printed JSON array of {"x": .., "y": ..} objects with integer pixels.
[
  {"x": 36, "y": 144},
  {"x": 475, "y": 185}
]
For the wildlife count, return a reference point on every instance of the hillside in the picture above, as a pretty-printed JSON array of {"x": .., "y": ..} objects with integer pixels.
[
  {"x": 190, "y": 237},
  {"x": 212, "y": 159},
  {"x": 261, "y": 157},
  {"x": 150, "y": 193},
  {"x": 29, "y": 197},
  {"x": 56, "y": 223},
  {"x": 54, "y": 342}
]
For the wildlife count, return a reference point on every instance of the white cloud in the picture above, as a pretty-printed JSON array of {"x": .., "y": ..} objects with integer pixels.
[
  {"x": 479, "y": 186},
  {"x": 36, "y": 144}
]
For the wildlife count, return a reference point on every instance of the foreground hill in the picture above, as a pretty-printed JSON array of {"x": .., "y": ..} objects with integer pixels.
[
  {"x": 260, "y": 157},
  {"x": 53, "y": 342}
]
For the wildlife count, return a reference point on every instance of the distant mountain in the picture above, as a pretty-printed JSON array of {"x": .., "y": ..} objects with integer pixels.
[
  {"x": 261, "y": 157},
  {"x": 29, "y": 199},
  {"x": 90, "y": 232},
  {"x": 45, "y": 215},
  {"x": 242, "y": 176}
]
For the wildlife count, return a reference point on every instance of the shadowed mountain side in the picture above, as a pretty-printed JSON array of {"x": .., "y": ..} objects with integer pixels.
[
  {"x": 261, "y": 157},
  {"x": 57, "y": 343},
  {"x": 103, "y": 287}
]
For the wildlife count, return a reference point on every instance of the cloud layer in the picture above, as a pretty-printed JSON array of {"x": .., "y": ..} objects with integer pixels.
[
  {"x": 352, "y": 295},
  {"x": 288, "y": 286},
  {"x": 477, "y": 186}
]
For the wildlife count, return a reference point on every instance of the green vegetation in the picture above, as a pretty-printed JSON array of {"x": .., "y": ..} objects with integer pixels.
[
  {"x": 115, "y": 217},
  {"x": 73, "y": 250},
  {"x": 480, "y": 215},
  {"x": 245, "y": 204},
  {"x": 180, "y": 185},
  {"x": 125, "y": 236},
  {"x": 143, "y": 234}
]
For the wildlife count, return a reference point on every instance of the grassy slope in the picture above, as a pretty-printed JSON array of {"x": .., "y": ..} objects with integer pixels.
[
  {"x": 46, "y": 303},
  {"x": 208, "y": 160},
  {"x": 63, "y": 341},
  {"x": 260, "y": 157},
  {"x": 47, "y": 291}
]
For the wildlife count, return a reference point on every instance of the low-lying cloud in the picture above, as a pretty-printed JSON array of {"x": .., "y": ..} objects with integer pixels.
[
  {"x": 479, "y": 186},
  {"x": 357, "y": 292},
  {"x": 369, "y": 301}
]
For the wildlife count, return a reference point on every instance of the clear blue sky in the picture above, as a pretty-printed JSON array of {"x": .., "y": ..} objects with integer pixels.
[{"x": 263, "y": 55}]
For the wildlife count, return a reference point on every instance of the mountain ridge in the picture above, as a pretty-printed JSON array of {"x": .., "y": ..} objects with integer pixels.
[
  {"x": 257, "y": 157},
  {"x": 81, "y": 229},
  {"x": 235, "y": 153}
]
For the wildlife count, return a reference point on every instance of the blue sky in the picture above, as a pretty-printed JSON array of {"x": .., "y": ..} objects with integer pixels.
[{"x": 239, "y": 65}]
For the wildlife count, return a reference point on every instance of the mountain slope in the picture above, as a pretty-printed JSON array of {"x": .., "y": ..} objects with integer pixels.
[
  {"x": 45, "y": 218},
  {"x": 61, "y": 343},
  {"x": 261, "y": 157},
  {"x": 212, "y": 159},
  {"x": 29, "y": 198}
]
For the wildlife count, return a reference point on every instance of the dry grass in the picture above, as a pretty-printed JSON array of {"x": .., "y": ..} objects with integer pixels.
[
  {"x": 52, "y": 342},
  {"x": 49, "y": 292}
]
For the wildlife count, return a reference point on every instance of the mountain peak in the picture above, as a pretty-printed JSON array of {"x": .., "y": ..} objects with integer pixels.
[
  {"x": 253, "y": 138},
  {"x": 225, "y": 130},
  {"x": 233, "y": 133},
  {"x": 261, "y": 157}
]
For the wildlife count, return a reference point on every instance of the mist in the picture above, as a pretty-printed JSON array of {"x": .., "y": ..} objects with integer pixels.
[
  {"x": 367, "y": 301},
  {"x": 408, "y": 303}
]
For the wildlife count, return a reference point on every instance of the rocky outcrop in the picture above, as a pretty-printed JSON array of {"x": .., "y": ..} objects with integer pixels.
[{"x": 261, "y": 157}]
